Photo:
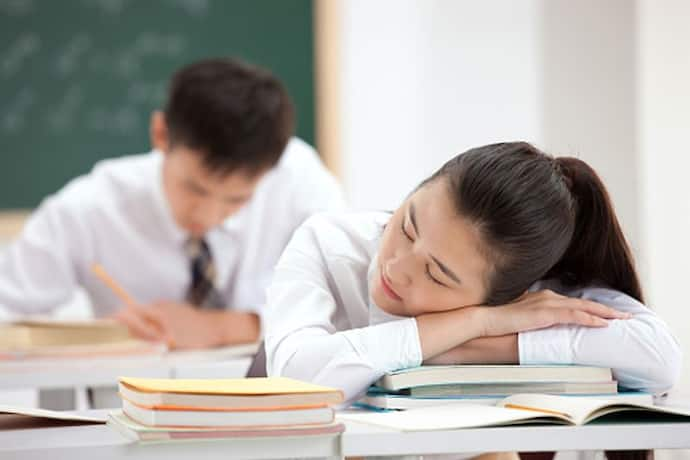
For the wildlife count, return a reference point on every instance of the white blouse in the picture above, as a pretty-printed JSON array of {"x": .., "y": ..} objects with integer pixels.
[{"x": 322, "y": 325}]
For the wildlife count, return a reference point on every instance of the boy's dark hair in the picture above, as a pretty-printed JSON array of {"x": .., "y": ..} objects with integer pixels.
[
  {"x": 238, "y": 116},
  {"x": 539, "y": 217}
]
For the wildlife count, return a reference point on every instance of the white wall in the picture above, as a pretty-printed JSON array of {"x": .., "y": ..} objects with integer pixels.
[
  {"x": 605, "y": 81},
  {"x": 424, "y": 80},
  {"x": 588, "y": 50},
  {"x": 664, "y": 121}
]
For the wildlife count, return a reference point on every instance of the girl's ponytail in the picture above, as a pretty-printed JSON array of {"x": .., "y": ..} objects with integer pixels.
[{"x": 598, "y": 251}]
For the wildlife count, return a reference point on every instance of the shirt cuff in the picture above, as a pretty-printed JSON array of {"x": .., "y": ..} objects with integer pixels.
[
  {"x": 388, "y": 346},
  {"x": 545, "y": 346}
]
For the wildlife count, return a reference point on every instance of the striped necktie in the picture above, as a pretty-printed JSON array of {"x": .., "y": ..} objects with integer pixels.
[{"x": 201, "y": 290}]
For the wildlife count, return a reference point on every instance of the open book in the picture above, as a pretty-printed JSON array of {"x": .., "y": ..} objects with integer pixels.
[
  {"x": 15, "y": 417},
  {"x": 514, "y": 410}
]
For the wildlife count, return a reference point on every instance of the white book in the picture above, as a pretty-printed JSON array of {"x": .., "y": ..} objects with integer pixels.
[
  {"x": 480, "y": 373},
  {"x": 146, "y": 434},
  {"x": 227, "y": 418},
  {"x": 504, "y": 389},
  {"x": 513, "y": 410}
]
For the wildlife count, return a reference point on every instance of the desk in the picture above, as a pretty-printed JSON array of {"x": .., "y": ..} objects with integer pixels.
[
  {"x": 364, "y": 440},
  {"x": 55, "y": 378},
  {"x": 358, "y": 440},
  {"x": 99, "y": 441},
  {"x": 54, "y": 373}
]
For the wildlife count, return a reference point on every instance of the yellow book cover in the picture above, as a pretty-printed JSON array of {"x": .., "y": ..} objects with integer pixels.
[{"x": 256, "y": 386}]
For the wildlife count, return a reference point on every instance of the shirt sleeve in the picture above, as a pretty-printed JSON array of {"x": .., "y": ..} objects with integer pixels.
[
  {"x": 37, "y": 270},
  {"x": 641, "y": 351},
  {"x": 303, "y": 340}
]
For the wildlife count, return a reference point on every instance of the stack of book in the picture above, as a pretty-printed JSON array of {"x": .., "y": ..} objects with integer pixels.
[
  {"x": 168, "y": 409},
  {"x": 486, "y": 384}
]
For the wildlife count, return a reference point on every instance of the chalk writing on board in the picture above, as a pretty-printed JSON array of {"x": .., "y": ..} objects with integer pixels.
[
  {"x": 19, "y": 50},
  {"x": 69, "y": 58},
  {"x": 107, "y": 7},
  {"x": 14, "y": 118},
  {"x": 192, "y": 7},
  {"x": 120, "y": 120},
  {"x": 62, "y": 118},
  {"x": 150, "y": 93},
  {"x": 130, "y": 60},
  {"x": 17, "y": 8}
]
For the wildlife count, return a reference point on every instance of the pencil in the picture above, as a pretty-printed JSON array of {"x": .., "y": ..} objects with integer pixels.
[
  {"x": 123, "y": 295},
  {"x": 108, "y": 280}
]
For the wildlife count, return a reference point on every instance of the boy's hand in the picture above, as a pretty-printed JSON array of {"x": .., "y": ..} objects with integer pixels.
[
  {"x": 185, "y": 326},
  {"x": 181, "y": 325},
  {"x": 139, "y": 324}
]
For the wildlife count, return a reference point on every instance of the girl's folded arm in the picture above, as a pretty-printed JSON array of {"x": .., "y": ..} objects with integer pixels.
[{"x": 641, "y": 351}]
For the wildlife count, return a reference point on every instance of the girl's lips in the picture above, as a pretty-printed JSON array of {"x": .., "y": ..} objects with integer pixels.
[{"x": 388, "y": 289}]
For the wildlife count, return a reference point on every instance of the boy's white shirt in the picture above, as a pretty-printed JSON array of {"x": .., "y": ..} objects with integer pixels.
[
  {"x": 118, "y": 216},
  {"x": 323, "y": 327}
]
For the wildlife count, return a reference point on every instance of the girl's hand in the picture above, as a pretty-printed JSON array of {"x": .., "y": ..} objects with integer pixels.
[{"x": 542, "y": 309}]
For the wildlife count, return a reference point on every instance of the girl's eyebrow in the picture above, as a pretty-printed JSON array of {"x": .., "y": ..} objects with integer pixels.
[{"x": 447, "y": 271}]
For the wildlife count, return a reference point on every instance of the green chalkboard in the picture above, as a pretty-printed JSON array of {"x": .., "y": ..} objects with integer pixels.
[{"x": 79, "y": 78}]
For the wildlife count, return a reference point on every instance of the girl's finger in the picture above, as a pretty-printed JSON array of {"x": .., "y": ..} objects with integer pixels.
[
  {"x": 583, "y": 318},
  {"x": 603, "y": 311}
]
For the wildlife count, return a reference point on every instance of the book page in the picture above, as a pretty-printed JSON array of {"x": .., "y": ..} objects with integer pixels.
[
  {"x": 94, "y": 417},
  {"x": 576, "y": 409},
  {"x": 581, "y": 410},
  {"x": 449, "y": 417}
]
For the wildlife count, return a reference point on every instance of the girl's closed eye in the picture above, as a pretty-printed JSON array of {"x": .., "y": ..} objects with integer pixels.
[
  {"x": 404, "y": 232},
  {"x": 427, "y": 271},
  {"x": 431, "y": 277}
]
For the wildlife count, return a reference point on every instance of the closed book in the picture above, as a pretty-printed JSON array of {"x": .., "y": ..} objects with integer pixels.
[
  {"x": 520, "y": 409},
  {"x": 231, "y": 418},
  {"x": 228, "y": 401},
  {"x": 444, "y": 375},
  {"x": 505, "y": 389},
  {"x": 42, "y": 333},
  {"x": 401, "y": 402},
  {"x": 146, "y": 434}
]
